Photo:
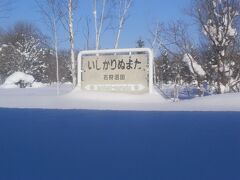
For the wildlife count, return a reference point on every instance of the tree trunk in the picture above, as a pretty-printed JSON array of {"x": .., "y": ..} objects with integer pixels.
[
  {"x": 71, "y": 39},
  {"x": 98, "y": 25},
  {"x": 95, "y": 22},
  {"x": 123, "y": 11},
  {"x": 56, "y": 54},
  {"x": 118, "y": 34},
  {"x": 219, "y": 91}
]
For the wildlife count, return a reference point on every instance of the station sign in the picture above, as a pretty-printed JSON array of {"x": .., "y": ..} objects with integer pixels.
[{"x": 124, "y": 71}]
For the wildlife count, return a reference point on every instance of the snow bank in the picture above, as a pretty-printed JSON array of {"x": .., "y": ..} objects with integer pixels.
[
  {"x": 186, "y": 91},
  {"x": 77, "y": 99},
  {"x": 45, "y": 98},
  {"x": 114, "y": 97},
  {"x": 13, "y": 80}
]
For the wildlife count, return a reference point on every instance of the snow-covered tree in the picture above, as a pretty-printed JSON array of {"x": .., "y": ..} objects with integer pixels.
[
  {"x": 140, "y": 43},
  {"x": 217, "y": 19},
  {"x": 65, "y": 67},
  {"x": 8, "y": 63},
  {"x": 173, "y": 39},
  {"x": 4, "y": 13},
  {"x": 195, "y": 68},
  {"x": 25, "y": 50},
  {"x": 163, "y": 70}
]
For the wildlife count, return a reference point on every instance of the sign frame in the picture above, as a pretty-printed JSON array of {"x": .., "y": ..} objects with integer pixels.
[{"x": 115, "y": 52}]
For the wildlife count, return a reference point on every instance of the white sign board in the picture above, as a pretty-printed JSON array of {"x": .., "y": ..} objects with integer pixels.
[{"x": 125, "y": 71}]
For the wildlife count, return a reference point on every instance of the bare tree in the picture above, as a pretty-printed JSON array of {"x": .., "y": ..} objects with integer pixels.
[
  {"x": 50, "y": 10},
  {"x": 175, "y": 39},
  {"x": 67, "y": 9},
  {"x": 156, "y": 44},
  {"x": 98, "y": 22},
  {"x": 86, "y": 33},
  {"x": 174, "y": 42},
  {"x": 155, "y": 39},
  {"x": 217, "y": 19},
  {"x": 123, "y": 7}
]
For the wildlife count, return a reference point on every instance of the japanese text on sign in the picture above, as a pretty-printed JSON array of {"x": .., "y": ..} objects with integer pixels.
[
  {"x": 114, "y": 64},
  {"x": 120, "y": 73}
]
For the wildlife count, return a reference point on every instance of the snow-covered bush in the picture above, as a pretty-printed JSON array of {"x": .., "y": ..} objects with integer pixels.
[
  {"x": 38, "y": 85},
  {"x": 18, "y": 80},
  {"x": 186, "y": 91}
]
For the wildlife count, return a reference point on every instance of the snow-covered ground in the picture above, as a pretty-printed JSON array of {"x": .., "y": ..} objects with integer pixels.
[{"x": 46, "y": 98}]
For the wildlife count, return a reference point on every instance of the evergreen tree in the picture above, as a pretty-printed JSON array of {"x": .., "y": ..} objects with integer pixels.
[
  {"x": 140, "y": 43},
  {"x": 24, "y": 49}
]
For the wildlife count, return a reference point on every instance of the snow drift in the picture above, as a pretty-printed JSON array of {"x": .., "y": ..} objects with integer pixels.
[{"x": 46, "y": 98}]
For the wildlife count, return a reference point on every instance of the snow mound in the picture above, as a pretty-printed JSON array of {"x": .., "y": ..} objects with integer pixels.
[{"x": 14, "y": 80}]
